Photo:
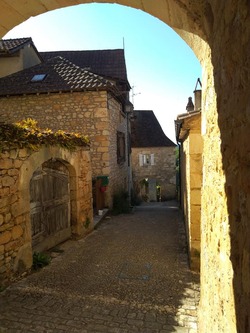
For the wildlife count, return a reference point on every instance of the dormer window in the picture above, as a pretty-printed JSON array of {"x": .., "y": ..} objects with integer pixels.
[{"x": 38, "y": 77}]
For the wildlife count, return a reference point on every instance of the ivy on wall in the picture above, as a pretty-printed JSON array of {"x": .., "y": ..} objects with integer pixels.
[{"x": 27, "y": 134}]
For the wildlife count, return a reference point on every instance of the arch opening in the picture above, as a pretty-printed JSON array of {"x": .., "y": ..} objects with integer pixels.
[{"x": 203, "y": 26}]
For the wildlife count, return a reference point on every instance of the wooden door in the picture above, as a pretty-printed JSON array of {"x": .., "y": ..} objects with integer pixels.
[
  {"x": 99, "y": 195},
  {"x": 50, "y": 205}
]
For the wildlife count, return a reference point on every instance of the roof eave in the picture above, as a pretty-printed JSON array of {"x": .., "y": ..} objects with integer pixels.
[
  {"x": 188, "y": 114},
  {"x": 180, "y": 132},
  {"x": 19, "y": 47},
  {"x": 56, "y": 91}
]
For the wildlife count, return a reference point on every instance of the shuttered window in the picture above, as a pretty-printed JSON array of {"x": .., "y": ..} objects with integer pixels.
[{"x": 146, "y": 159}]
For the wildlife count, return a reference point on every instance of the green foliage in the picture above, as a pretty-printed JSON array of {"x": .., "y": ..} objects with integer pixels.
[
  {"x": 87, "y": 223},
  {"x": 144, "y": 182},
  {"x": 121, "y": 203},
  {"x": 40, "y": 260},
  {"x": 27, "y": 134},
  {"x": 2, "y": 288},
  {"x": 135, "y": 200}
]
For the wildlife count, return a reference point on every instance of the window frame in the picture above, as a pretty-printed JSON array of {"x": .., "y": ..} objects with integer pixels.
[{"x": 38, "y": 77}]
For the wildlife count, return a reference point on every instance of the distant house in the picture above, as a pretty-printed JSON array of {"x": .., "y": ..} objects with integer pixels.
[
  {"x": 153, "y": 158},
  {"x": 17, "y": 54},
  {"x": 61, "y": 95},
  {"x": 188, "y": 135}
]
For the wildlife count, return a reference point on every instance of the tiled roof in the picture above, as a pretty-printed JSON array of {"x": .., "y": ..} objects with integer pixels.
[
  {"x": 109, "y": 63},
  {"x": 9, "y": 46},
  {"x": 61, "y": 75},
  {"x": 147, "y": 132}
]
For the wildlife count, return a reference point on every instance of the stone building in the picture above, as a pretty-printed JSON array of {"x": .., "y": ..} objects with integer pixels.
[
  {"x": 61, "y": 95},
  {"x": 188, "y": 135},
  {"x": 153, "y": 158},
  {"x": 219, "y": 35}
]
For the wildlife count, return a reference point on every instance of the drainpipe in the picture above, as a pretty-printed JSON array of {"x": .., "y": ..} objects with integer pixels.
[
  {"x": 178, "y": 124},
  {"x": 129, "y": 166},
  {"x": 180, "y": 187},
  {"x": 129, "y": 110}
]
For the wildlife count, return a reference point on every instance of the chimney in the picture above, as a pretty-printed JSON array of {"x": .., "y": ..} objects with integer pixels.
[
  {"x": 197, "y": 100},
  {"x": 190, "y": 105},
  {"x": 197, "y": 96}
]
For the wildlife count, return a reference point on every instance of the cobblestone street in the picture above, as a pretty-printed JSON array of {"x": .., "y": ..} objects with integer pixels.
[{"x": 130, "y": 275}]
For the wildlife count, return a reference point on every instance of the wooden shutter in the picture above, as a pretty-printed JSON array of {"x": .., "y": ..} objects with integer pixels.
[
  {"x": 140, "y": 159},
  {"x": 152, "y": 159}
]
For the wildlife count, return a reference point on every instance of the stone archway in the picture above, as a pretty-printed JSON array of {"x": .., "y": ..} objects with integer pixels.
[
  {"x": 219, "y": 35},
  {"x": 178, "y": 14}
]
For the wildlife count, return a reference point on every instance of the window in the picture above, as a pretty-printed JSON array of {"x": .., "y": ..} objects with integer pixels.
[
  {"x": 38, "y": 77},
  {"x": 146, "y": 159},
  {"x": 121, "y": 148}
]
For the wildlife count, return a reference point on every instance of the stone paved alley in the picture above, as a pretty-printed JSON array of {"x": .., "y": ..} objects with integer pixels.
[{"x": 130, "y": 275}]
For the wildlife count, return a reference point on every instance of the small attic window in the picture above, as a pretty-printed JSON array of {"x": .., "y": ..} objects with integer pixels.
[{"x": 38, "y": 77}]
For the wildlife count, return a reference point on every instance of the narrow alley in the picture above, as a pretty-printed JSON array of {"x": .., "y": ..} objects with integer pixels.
[{"x": 130, "y": 275}]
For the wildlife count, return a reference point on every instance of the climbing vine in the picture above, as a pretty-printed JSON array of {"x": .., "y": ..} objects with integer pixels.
[{"x": 27, "y": 134}]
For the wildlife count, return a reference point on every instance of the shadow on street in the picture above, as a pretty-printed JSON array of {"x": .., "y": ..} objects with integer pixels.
[{"x": 129, "y": 275}]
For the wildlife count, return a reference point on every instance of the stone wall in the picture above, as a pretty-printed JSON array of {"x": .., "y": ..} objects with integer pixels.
[
  {"x": 195, "y": 198},
  {"x": 225, "y": 261},
  {"x": 191, "y": 182},
  {"x": 74, "y": 112},
  {"x": 16, "y": 169},
  {"x": 118, "y": 171},
  {"x": 163, "y": 170},
  {"x": 26, "y": 57},
  {"x": 94, "y": 113},
  {"x": 217, "y": 291}
]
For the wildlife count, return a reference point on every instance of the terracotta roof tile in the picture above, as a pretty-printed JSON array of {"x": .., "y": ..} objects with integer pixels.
[
  {"x": 9, "y": 46},
  {"x": 147, "y": 132},
  {"x": 59, "y": 75}
]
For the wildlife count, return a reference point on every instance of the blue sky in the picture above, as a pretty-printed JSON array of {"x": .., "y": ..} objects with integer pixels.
[{"x": 161, "y": 67}]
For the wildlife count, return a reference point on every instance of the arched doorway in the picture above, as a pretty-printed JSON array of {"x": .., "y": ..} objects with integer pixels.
[
  {"x": 148, "y": 190},
  {"x": 50, "y": 205},
  {"x": 226, "y": 83}
]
